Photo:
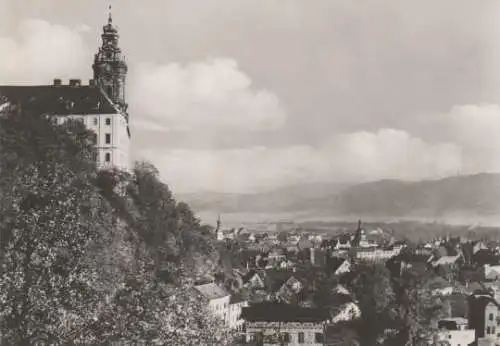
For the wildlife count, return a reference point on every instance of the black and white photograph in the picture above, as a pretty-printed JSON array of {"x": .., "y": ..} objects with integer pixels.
[{"x": 250, "y": 172}]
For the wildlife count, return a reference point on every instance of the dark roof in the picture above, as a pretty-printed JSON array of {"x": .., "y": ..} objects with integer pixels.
[
  {"x": 276, "y": 312},
  {"x": 335, "y": 262},
  {"x": 337, "y": 301},
  {"x": 479, "y": 301},
  {"x": 60, "y": 100},
  {"x": 236, "y": 298},
  {"x": 340, "y": 334},
  {"x": 250, "y": 275},
  {"x": 276, "y": 278},
  {"x": 344, "y": 238},
  {"x": 458, "y": 304},
  {"x": 412, "y": 257}
]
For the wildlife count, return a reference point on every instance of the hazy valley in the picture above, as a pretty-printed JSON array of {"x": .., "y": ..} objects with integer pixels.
[{"x": 469, "y": 200}]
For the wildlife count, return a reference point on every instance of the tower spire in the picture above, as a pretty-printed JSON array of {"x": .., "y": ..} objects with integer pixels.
[
  {"x": 218, "y": 222},
  {"x": 110, "y": 68},
  {"x": 110, "y": 17}
]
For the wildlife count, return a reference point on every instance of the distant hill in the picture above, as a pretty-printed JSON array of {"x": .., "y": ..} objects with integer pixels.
[
  {"x": 279, "y": 200},
  {"x": 462, "y": 197}
]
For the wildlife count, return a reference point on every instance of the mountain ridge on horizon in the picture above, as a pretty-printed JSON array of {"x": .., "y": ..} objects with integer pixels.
[{"x": 474, "y": 195}]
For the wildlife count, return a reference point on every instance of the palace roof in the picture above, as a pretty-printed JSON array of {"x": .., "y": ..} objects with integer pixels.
[{"x": 60, "y": 99}]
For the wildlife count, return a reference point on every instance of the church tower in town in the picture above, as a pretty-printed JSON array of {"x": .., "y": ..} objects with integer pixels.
[{"x": 110, "y": 69}]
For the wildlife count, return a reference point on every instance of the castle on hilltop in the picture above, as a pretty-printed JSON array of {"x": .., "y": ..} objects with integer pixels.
[{"x": 101, "y": 104}]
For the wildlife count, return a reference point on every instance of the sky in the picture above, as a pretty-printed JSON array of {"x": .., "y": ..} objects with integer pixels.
[{"x": 246, "y": 96}]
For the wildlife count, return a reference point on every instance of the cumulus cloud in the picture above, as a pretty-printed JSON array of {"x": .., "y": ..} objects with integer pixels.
[
  {"x": 464, "y": 141},
  {"x": 236, "y": 170},
  {"x": 42, "y": 51},
  {"x": 354, "y": 157},
  {"x": 389, "y": 154},
  {"x": 474, "y": 128},
  {"x": 210, "y": 95}
]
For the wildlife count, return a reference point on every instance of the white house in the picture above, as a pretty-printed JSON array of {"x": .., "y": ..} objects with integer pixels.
[
  {"x": 455, "y": 332},
  {"x": 236, "y": 305},
  {"x": 343, "y": 267},
  {"x": 346, "y": 312},
  {"x": 217, "y": 299},
  {"x": 491, "y": 272}
]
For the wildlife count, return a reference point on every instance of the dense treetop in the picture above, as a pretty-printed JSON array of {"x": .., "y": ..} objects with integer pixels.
[{"x": 90, "y": 257}]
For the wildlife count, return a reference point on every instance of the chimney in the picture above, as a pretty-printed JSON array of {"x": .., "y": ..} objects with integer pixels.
[
  {"x": 57, "y": 82},
  {"x": 75, "y": 82},
  {"x": 91, "y": 82}
]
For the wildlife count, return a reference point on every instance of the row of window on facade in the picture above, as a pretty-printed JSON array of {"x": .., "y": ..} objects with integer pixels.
[
  {"x": 107, "y": 121},
  {"x": 491, "y": 331},
  {"x": 107, "y": 138},
  {"x": 107, "y": 157},
  {"x": 220, "y": 307},
  {"x": 287, "y": 337},
  {"x": 491, "y": 317}
]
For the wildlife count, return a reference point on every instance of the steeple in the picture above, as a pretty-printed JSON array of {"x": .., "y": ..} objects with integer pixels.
[
  {"x": 110, "y": 69},
  {"x": 110, "y": 18},
  {"x": 218, "y": 222},
  {"x": 218, "y": 231}
]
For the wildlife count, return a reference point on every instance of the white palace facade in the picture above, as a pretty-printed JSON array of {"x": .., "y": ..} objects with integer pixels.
[{"x": 100, "y": 104}]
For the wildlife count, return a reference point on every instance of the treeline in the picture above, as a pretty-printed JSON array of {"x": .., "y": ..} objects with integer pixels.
[
  {"x": 397, "y": 309},
  {"x": 90, "y": 257}
]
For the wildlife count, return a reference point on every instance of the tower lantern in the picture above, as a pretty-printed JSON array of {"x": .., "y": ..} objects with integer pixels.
[{"x": 109, "y": 66}]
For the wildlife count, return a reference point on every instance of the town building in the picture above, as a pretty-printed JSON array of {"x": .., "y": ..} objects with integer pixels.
[
  {"x": 318, "y": 257},
  {"x": 217, "y": 299},
  {"x": 236, "y": 305},
  {"x": 455, "y": 332},
  {"x": 272, "y": 323},
  {"x": 484, "y": 316},
  {"x": 101, "y": 104},
  {"x": 338, "y": 265},
  {"x": 374, "y": 254},
  {"x": 491, "y": 272}
]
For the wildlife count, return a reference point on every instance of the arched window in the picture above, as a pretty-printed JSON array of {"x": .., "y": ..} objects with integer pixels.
[{"x": 108, "y": 157}]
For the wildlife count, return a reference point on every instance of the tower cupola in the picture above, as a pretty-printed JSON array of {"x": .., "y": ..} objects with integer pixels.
[{"x": 110, "y": 68}]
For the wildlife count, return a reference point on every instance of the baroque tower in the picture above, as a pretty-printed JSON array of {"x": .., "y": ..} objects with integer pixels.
[
  {"x": 100, "y": 105},
  {"x": 109, "y": 66}
]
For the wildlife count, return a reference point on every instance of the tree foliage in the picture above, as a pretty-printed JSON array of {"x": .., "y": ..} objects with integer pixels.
[
  {"x": 82, "y": 257},
  {"x": 373, "y": 290},
  {"x": 402, "y": 306},
  {"x": 418, "y": 310}
]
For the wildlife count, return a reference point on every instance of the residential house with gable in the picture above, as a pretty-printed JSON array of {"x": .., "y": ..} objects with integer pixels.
[
  {"x": 491, "y": 272},
  {"x": 217, "y": 299},
  {"x": 484, "y": 316}
]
